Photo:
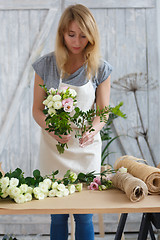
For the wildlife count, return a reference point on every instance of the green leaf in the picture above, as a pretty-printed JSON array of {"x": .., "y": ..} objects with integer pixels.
[{"x": 36, "y": 173}]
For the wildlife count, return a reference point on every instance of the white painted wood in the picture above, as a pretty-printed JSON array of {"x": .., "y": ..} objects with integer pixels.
[
  {"x": 26, "y": 78},
  {"x": 28, "y": 4},
  {"x": 114, "y": 3}
]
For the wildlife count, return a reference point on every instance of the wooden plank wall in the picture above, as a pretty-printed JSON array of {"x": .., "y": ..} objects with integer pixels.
[{"x": 128, "y": 32}]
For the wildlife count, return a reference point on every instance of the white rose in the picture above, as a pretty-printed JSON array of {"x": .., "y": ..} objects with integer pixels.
[
  {"x": 72, "y": 92},
  {"x": 40, "y": 196},
  {"x": 36, "y": 190},
  {"x": 57, "y": 105},
  {"x": 51, "y": 111},
  {"x": 30, "y": 190},
  {"x": 54, "y": 185},
  {"x": 8, "y": 190},
  {"x": 71, "y": 189},
  {"x": 65, "y": 192},
  {"x": 73, "y": 176},
  {"x": 52, "y": 90},
  {"x": 59, "y": 194},
  {"x": 23, "y": 188},
  {"x": 20, "y": 199},
  {"x": 48, "y": 182},
  {"x": 5, "y": 194},
  {"x": 43, "y": 187},
  {"x": 61, "y": 187},
  {"x": 4, "y": 182},
  {"x": 52, "y": 193},
  {"x": 49, "y": 98},
  {"x": 15, "y": 191},
  {"x": 14, "y": 182},
  {"x": 50, "y": 104},
  {"x": 28, "y": 197},
  {"x": 56, "y": 98},
  {"x": 45, "y": 102}
]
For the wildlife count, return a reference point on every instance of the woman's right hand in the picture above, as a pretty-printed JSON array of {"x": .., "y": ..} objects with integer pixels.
[{"x": 64, "y": 139}]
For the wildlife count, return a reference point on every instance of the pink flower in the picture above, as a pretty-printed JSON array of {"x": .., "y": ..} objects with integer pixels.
[
  {"x": 68, "y": 107},
  {"x": 93, "y": 186},
  {"x": 67, "y": 100},
  {"x": 97, "y": 180}
]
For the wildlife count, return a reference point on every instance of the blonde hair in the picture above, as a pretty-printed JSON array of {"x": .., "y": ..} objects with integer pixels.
[{"x": 88, "y": 26}]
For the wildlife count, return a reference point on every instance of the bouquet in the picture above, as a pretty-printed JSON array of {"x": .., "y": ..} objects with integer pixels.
[
  {"x": 58, "y": 107},
  {"x": 60, "y": 112}
]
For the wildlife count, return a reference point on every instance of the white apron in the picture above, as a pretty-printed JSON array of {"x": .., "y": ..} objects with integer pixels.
[{"x": 74, "y": 158}]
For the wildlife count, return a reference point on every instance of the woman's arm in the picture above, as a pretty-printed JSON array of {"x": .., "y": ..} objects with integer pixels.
[
  {"x": 102, "y": 100},
  {"x": 37, "y": 110}
]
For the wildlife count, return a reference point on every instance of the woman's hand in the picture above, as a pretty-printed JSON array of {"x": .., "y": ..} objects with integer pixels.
[
  {"x": 64, "y": 139},
  {"x": 87, "y": 139}
]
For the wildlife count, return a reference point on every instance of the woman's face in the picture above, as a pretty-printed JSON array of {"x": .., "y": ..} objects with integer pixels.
[{"x": 75, "y": 39}]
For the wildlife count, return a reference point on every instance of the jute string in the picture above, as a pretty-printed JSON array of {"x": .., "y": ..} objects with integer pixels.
[
  {"x": 150, "y": 175},
  {"x": 134, "y": 188}
]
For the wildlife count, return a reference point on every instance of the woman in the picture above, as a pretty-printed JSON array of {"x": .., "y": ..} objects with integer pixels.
[{"x": 75, "y": 63}]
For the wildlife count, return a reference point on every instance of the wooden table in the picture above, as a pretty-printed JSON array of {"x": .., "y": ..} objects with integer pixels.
[{"x": 87, "y": 201}]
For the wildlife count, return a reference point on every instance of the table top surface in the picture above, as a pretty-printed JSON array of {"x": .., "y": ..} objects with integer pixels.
[{"x": 87, "y": 201}]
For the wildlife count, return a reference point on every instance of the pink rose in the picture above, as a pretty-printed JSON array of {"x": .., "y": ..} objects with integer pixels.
[
  {"x": 67, "y": 100},
  {"x": 68, "y": 107},
  {"x": 97, "y": 180},
  {"x": 93, "y": 186}
]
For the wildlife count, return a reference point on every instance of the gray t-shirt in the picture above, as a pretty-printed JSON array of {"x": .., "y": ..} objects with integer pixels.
[{"x": 46, "y": 68}]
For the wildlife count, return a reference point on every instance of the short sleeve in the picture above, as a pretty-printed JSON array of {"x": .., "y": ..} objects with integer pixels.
[
  {"x": 39, "y": 66},
  {"x": 104, "y": 71}
]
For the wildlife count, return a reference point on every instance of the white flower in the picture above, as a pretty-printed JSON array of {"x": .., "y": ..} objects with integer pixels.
[
  {"x": 54, "y": 185},
  {"x": 51, "y": 111},
  {"x": 43, "y": 187},
  {"x": 14, "y": 182},
  {"x": 15, "y": 191},
  {"x": 72, "y": 92},
  {"x": 56, "y": 98},
  {"x": 79, "y": 187},
  {"x": 20, "y": 199},
  {"x": 45, "y": 102},
  {"x": 59, "y": 194},
  {"x": 30, "y": 190},
  {"x": 57, "y": 105},
  {"x": 73, "y": 176},
  {"x": 28, "y": 197},
  {"x": 68, "y": 107},
  {"x": 61, "y": 187},
  {"x": 40, "y": 196},
  {"x": 23, "y": 188},
  {"x": 71, "y": 189},
  {"x": 4, "y": 182},
  {"x": 52, "y": 90},
  {"x": 122, "y": 170},
  {"x": 65, "y": 192},
  {"x": 36, "y": 190},
  {"x": 52, "y": 193},
  {"x": 49, "y": 98},
  {"x": 5, "y": 194},
  {"x": 50, "y": 104},
  {"x": 103, "y": 187},
  {"x": 48, "y": 182}
]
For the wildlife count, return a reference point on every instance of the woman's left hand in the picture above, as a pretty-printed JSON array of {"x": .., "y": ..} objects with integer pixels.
[{"x": 87, "y": 139}]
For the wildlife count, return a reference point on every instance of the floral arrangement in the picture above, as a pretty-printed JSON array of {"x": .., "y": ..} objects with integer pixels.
[
  {"x": 58, "y": 106},
  {"x": 23, "y": 189},
  {"x": 61, "y": 111},
  {"x": 15, "y": 186}
]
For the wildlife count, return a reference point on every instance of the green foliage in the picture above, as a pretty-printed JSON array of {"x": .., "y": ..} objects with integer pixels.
[{"x": 106, "y": 131}]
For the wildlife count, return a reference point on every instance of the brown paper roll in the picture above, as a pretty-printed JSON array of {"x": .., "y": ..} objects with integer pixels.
[
  {"x": 150, "y": 175},
  {"x": 134, "y": 188}
]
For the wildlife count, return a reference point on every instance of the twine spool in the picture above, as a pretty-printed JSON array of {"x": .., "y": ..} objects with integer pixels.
[
  {"x": 150, "y": 175},
  {"x": 134, "y": 188}
]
